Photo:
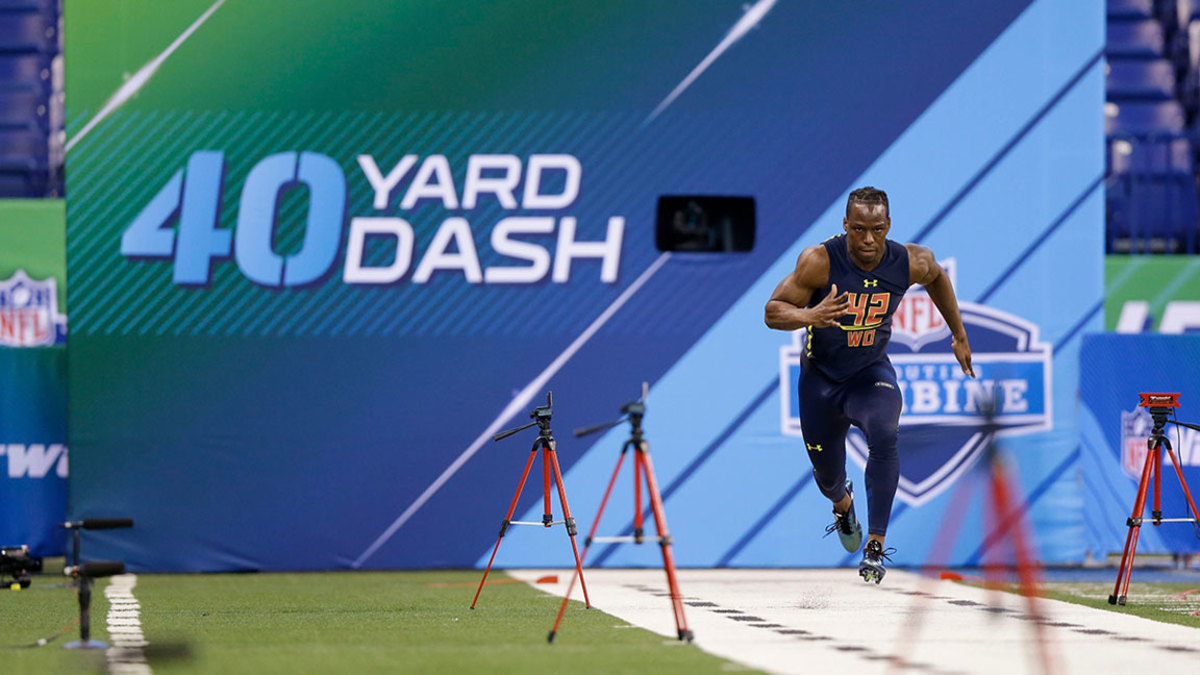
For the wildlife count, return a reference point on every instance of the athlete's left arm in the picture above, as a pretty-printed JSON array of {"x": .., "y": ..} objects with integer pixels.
[{"x": 924, "y": 269}]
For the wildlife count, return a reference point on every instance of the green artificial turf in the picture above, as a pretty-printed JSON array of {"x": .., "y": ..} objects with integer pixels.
[
  {"x": 1166, "y": 602},
  {"x": 352, "y": 622}
]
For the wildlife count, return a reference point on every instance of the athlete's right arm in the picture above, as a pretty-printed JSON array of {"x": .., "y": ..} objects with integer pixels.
[{"x": 786, "y": 310}]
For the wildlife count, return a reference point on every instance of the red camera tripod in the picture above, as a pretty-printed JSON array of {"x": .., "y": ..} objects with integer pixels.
[{"x": 1160, "y": 406}]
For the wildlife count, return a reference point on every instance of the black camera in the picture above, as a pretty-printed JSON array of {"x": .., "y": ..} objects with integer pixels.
[{"x": 16, "y": 562}]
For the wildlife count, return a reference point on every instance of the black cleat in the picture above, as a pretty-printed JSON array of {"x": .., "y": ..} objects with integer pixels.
[{"x": 871, "y": 568}]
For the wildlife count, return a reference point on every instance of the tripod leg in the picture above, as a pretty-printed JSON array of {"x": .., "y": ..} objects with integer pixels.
[
  {"x": 504, "y": 525},
  {"x": 939, "y": 556},
  {"x": 1183, "y": 483},
  {"x": 1156, "y": 512},
  {"x": 587, "y": 543},
  {"x": 547, "y": 514},
  {"x": 1139, "y": 505},
  {"x": 639, "y": 523},
  {"x": 664, "y": 540},
  {"x": 570, "y": 522},
  {"x": 1026, "y": 567}
]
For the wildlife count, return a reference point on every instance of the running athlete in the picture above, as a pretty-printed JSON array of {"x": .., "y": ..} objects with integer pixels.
[{"x": 844, "y": 292}]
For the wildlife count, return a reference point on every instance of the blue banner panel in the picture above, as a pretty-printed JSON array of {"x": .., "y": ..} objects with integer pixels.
[
  {"x": 33, "y": 450},
  {"x": 1114, "y": 431},
  {"x": 302, "y": 306}
]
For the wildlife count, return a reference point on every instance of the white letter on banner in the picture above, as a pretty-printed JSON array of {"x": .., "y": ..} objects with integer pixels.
[
  {"x": 523, "y": 250},
  {"x": 384, "y": 186},
  {"x": 1014, "y": 396},
  {"x": 436, "y": 258},
  {"x": 925, "y": 397},
  {"x": 609, "y": 249},
  {"x": 434, "y": 166},
  {"x": 533, "y": 199},
  {"x": 1180, "y": 316},
  {"x": 360, "y": 228},
  {"x": 501, "y": 186},
  {"x": 33, "y": 460}
]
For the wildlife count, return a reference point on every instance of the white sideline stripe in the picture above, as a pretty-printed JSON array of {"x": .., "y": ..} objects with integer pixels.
[
  {"x": 516, "y": 405},
  {"x": 124, "y": 626},
  {"x": 832, "y": 615},
  {"x": 139, "y": 79},
  {"x": 749, "y": 20}
]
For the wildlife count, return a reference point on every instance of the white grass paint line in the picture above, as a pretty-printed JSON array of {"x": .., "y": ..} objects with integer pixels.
[
  {"x": 139, "y": 79},
  {"x": 806, "y": 621},
  {"x": 744, "y": 25},
  {"x": 518, "y": 404},
  {"x": 124, "y": 624}
]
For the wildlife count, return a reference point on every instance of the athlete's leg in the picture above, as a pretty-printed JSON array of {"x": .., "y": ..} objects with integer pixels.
[
  {"x": 824, "y": 428},
  {"x": 873, "y": 405}
]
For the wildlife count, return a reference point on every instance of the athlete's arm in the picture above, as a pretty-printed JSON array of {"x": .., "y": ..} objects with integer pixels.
[
  {"x": 924, "y": 269},
  {"x": 786, "y": 310}
]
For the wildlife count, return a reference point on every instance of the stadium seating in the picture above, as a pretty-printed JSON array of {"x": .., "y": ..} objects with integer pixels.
[
  {"x": 1140, "y": 80},
  {"x": 31, "y": 132},
  {"x": 1142, "y": 39},
  {"x": 1152, "y": 98}
]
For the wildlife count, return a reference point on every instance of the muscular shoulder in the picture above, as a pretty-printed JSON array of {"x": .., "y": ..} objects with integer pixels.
[
  {"x": 812, "y": 267},
  {"x": 923, "y": 268}
]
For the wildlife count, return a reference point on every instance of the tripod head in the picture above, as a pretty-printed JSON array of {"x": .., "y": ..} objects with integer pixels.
[
  {"x": 541, "y": 417},
  {"x": 633, "y": 412},
  {"x": 1160, "y": 406}
]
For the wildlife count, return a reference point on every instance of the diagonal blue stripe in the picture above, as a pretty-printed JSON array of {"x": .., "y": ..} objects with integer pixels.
[
  {"x": 1024, "y": 256},
  {"x": 1062, "y": 342},
  {"x": 699, "y": 460},
  {"x": 1002, "y": 528},
  {"x": 764, "y": 520},
  {"x": 1008, "y": 147}
]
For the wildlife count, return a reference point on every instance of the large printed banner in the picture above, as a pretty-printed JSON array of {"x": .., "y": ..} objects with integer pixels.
[
  {"x": 33, "y": 377},
  {"x": 1152, "y": 293},
  {"x": 1114, "y": 432},
  {"x": 320, "y": 253}
]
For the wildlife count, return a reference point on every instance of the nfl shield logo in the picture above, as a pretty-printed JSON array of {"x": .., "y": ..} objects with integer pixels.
[
  {"x": 1135, "y": 430},
  {"x": 29, "y": 313},
  {"x": 941, "y": 426}
]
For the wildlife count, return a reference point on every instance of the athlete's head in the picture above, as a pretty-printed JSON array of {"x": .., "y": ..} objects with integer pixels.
[
  {"x": 867, "y": 195},
  {"x": 866, "y": 224}
]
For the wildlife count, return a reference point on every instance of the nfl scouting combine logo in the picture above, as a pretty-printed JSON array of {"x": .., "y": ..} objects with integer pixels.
[
  {"x": 29, "y": 313},
  {"x": 940, "y": 436}
]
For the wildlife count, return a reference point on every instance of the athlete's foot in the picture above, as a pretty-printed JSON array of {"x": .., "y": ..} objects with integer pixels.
[
  {"x": 846, "y": 525},
  {"x": 872, "y": 566}
]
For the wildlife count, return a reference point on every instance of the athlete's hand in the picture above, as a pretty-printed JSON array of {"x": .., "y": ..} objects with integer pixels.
[
  {"x": 831, "y": 308},
  {"x": 962, "y": 352}
]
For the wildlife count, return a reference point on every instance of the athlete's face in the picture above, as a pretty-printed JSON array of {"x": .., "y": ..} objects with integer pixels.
[{"x": 866, "y": 228}]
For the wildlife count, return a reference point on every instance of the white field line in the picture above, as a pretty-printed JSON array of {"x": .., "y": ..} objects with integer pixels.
[
  {"x": 124, "y": 625},
  {"x": 139, "y": 79},
  {"x": 806, "y": 621}
]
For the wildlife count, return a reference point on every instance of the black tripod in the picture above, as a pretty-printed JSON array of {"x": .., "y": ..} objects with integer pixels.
[
  {"x": 545, "y": 441},
  {"x": 634, "y": 411},
  {"x": 1160, "y": 406},
  {"x": 85, "y": 574}
]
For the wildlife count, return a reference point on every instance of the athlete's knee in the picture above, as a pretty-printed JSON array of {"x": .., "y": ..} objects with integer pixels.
[
  {"x": 832, "y": 484},
  {"x": 881, "y": 440}
]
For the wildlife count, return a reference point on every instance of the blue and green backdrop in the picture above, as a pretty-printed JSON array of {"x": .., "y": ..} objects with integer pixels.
[{"x": 320, "y": 252}]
